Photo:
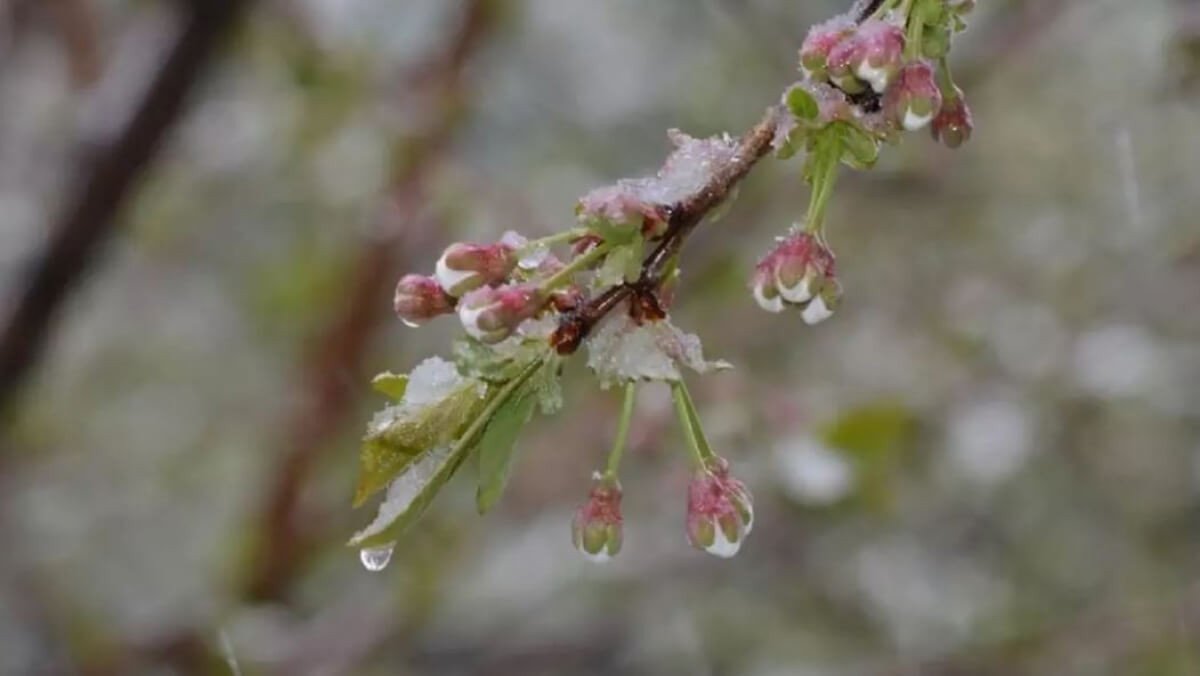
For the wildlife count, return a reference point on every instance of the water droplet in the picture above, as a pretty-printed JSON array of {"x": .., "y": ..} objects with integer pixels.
[
  {"x": 376, "y": 559},
  {"x": 534, "y": 258},
  {"x": 410, "y": 324}
]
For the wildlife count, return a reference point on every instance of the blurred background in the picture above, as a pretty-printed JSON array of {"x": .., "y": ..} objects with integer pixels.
[{"x": 987, "y": 463}]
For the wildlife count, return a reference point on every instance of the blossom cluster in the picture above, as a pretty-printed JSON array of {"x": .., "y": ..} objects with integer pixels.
[{"x": 866, "y": 81}]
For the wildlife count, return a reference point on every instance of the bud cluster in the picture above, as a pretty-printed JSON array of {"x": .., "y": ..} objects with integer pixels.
[
  {"x": 800, "y": 271},
  {"x": 889, "y": 70},
  {"x": 720, "y": 513}
]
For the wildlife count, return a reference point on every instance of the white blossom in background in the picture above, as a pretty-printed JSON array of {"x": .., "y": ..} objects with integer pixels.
[
  {"x": 1118, "y": 361},
  {"x": 811, "y": 473},
  {"x": 990, "y": 440}
]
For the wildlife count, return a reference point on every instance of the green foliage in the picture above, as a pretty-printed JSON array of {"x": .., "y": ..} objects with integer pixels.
[
  {"x": 390, "y": 449},
  {"x": 497, "y": 445},
  {"x": 877, "y": 437},
  {"x": 391, "y": 385},
  {"x": 802, "y": 104}
]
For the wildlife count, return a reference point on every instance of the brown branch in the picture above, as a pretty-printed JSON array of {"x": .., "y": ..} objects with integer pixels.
[
  {"x": 105, "y": 185},
  {"x": 685, "y": 216},
  {"x": 317, "y": 419}
]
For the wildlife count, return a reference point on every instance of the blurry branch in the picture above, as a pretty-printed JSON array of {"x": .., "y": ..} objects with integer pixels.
[
  {"x": 327, "y": 399},
  {"x": 106, "y": 182},
  {"x": 77, "y": 25}
]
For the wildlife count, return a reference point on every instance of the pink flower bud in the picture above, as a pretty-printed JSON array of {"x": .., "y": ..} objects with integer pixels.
[
  {"x": 596, "y": 530},
  {"x": 420, "y": 298},
  {"x": 953, "y": 125},
  {"x": 842, "y": 62},
  {"x": 799, "y": 271},
  {"x": 821, "y": 39},
  {"x": 914, "y": 99},
  {"x": 879, "y": 53},
  {"x": 491, "y": 314},
  {"x": 720, "y": 512},
  {"x": 465, "y": 266}
]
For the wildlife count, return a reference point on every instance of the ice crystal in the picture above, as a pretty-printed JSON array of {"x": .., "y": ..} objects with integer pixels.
[{"x": 622, "y": 351}]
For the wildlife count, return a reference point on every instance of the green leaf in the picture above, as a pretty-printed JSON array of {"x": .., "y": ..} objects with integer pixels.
[
  {"x": 802, "y": 104},
  {"x": 391, "y": 385},
  {"x": 871, "y": 432},
  {"x": 617, "y": 264},
  {"x": 388, "y": 450},
  {"x": 860, "y": 149},
  {"x": 547, "y": 385},
  {"x": 497, "y": 446},
  {"x": 409, "y": 499}
]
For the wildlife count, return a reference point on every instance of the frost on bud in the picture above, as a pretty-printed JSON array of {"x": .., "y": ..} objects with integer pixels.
[
  {"x": 914, "y": 100},
  {"x": 465, "y": 266},
  {"x": 491, "y": 314},
  {"x": 596, "y": 530},
  {"x": 420, "y": 298},
  {"x": 720, "y": 512},
  {"x": 841, "y": 65},
  {"x": 880, "y": 47},
  {"x": 821, "y": 39},
  {"x": 624, "y": 206},
  {"x": 953, "y": 125},
  {"x": 799, "y": 271}
]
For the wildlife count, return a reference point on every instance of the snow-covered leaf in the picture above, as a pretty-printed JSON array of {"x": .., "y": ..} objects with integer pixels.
[
  {"x": 437, "y": 406},
  {"x": 622, "y": 351},
  {"x": 391, "y": 385},
  {"x": 410, "y": 494}
]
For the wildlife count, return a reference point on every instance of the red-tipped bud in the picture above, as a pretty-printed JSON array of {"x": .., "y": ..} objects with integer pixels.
[
  {"x": 880, "y": 48},
  {"x": 596, "y": 530},
  {"x": 842, "y": 62},
  {"x": 720, "y": 513},
  {"x": 420, "y": 298},
  {"x": 623, "y": 205},
  {"x": 799, "y": 271},
  {"x": 491, "y": 314},
  {"x": 953, "y": 125},
  {"x": 465, "y": 266},
  {"x": 821, "y": 39},
  {"x": 914, "y": 99}
]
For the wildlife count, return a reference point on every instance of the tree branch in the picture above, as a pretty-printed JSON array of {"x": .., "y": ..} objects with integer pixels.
[{"x": 91, "y": 212}]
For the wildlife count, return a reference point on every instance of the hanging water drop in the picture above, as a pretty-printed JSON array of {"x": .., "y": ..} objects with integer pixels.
[
  {"x": 409, "y": 323},
  {"x": 376, "y": 559},
  {"x": 533, "y": 258}
]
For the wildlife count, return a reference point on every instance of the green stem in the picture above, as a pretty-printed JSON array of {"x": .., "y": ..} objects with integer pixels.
[
  {"x": 824, "y": 159},
  {"x": 580, "y": 263},
  {"x": 506, "y": 392},
  {"x": 551, "y": 240},
  {"x": 916, "y": 31},
  {"x": 685, "y": 409},
  {"x": 945, "y": 81},
  {"x": 618, "y": 449}
]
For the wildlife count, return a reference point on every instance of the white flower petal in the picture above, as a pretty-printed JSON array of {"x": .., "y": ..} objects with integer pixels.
[
  {"x": 722, "y": 546},
  {"x": 913, "y": 121},
  {"x": 816, "y": 311},
  {"x": 449, "y": 278},
  {"x": 802, "y": 292},
  {"x": 877, "y": 77},
  {"x": 769, "y": 304}
]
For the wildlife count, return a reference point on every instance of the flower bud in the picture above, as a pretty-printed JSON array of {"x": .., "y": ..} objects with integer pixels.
[
  {"x": 420, "y": 298},
  {"x": 841, "y": 65},
  {"x": 596, "y": 530},
  {"x": 720, "y": 512},
  {"x": 821, "y": 39},
  {"x": 465, "y": 266},
  {"x": 491, "y": 314},
  {"x": 880, "y": 47},
  {"x": 914, "y": 99},
  {"x": 799, "y": 271},
  {"x": 953, "y": 125}
]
